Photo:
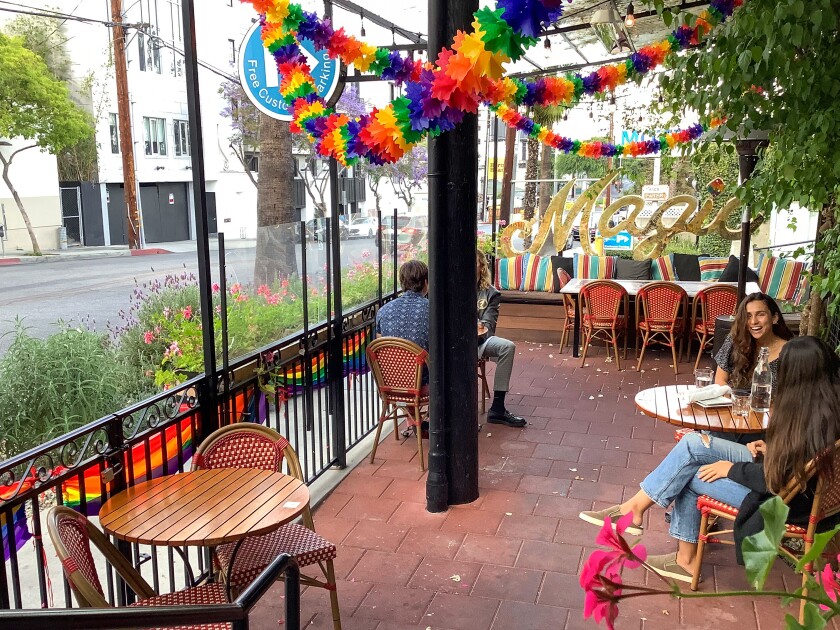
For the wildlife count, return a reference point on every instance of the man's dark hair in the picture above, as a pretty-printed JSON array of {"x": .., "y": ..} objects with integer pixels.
[{"x": 413, "y": 275}]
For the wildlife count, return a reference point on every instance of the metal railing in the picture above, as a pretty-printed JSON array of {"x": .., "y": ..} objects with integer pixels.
[{"x": 312, "y": 386}]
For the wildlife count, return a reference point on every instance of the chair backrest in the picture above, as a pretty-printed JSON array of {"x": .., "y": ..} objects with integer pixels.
[
  {"x": 716, "y": 301},
  {"x": 660, "y": 302},
  {"x": 602, "y": 299},
  {"x": 397, "y": 365},
  {"x": 247, "y": 445},
  {"x": 72, "y": 534},
  {"x": 827, "y": 494}
]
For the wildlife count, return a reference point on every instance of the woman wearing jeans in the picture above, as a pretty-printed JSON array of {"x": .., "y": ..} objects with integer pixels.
[{"x": 805, "y": 422}]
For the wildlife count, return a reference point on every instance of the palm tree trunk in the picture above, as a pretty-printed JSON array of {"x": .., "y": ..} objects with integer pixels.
[
  {"x": 529, "y": 203},
  {"x": 275, "y": 255},
  {"x": 546, "y": 172}
]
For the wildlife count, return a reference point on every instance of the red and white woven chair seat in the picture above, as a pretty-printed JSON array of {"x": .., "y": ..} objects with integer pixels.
[
  {"x": 707, "y": 328},
  {"x": 257, "y": 552},
  {"x": 594, "y": 322},
  {"x": 408, "y": 398},
  {"x": 723, "y": 508},
  {"x": 198, "y": 596},
  {"x": 661, "y": 326}
]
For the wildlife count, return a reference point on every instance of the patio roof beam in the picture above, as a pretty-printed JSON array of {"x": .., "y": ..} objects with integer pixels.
[
  {"x": 574, "y": 47},
  {"x": 639, "y": 15},
  {"x": 352, "y": 7}
]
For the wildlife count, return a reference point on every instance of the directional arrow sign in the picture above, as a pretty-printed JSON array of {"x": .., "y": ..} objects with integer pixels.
[{"x": 260, "y": 79}]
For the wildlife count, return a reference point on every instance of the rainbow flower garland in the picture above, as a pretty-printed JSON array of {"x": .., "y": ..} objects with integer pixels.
[{"x": 467, "y": 74}]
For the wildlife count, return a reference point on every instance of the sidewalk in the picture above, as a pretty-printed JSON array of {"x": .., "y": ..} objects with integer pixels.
[{"x": 115, "y": 251}]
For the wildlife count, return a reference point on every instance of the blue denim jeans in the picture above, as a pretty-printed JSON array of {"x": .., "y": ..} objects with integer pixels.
[{"x": 675, "y": 481}]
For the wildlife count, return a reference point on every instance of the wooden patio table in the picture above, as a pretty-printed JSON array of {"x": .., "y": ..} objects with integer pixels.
[
  {"x": 204, "y": 508},
  {"x": 662, "y": 403},
  {"x": 632, "y": 287}
]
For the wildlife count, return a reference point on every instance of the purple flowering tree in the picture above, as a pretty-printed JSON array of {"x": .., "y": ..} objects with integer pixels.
[{"x": 406, "y": 176}]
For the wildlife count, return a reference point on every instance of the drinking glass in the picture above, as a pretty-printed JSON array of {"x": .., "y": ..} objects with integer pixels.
[
  {"x": 703, "y": 377},
  {"x": 741, "y": 403}
]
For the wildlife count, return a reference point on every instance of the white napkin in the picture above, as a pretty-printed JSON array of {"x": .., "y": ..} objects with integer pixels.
[{"x": 703, "y": 393}]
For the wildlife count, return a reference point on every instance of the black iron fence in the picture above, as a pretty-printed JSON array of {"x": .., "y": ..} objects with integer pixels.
[{"x": 313, "y": 387}]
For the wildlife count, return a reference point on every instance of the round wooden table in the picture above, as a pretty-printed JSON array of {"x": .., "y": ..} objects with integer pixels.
[
  {"x": 204, "y": 507},
  {"x": 662, "y": 403}
]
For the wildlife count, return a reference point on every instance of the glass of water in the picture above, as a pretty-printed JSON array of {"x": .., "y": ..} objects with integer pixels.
[
  {"x": 703, "y": 377},
  {"x": 741, "y": 403}
]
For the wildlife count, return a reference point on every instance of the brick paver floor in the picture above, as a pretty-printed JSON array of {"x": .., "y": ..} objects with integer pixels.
[{"x": 510, "y": 560}]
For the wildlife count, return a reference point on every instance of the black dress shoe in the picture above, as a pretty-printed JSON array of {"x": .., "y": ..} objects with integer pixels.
[{"x": 494, "y": 417}]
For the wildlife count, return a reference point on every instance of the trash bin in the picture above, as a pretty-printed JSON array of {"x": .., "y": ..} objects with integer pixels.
[
  {"x": 723, "y": 324},
  {"x": 62, "y": 237}
]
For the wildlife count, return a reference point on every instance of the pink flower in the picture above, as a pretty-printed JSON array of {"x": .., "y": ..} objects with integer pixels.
[
  {"x": 828, "y": 580},
  {"x": 284, "y": 284},
  {"x": 241, "y": 297},
  {"x": 365, "y": 253},
  {"x": 148, "y": 338},
  {"x": 235, "y": 288},
  {"x": 502, "y": 223},
  {"x": 215, "y": 287},
  {"x": 601, "y": 603},
  {"x": 632, "y": 557},
  {"x": 188, "y": 312},
  {"x": 263, "y": 290}
]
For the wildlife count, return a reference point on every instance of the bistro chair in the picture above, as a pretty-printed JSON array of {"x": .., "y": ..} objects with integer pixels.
[
  {"x": 661, "y": 310},
  {"x": 709, "y": 304},
  {"x": 569, "y": 321},
  {"x": 72, "y": 534},
  {"x": 605, "y": 307},
  {"x": 397, "y": 366},
  {"x": 826, "y": 503},
  {"x": 482, "y": 382},
  {"x": 249, "y": 445}
]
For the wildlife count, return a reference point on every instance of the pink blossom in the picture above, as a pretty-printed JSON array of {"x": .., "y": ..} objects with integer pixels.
[
  {"x": 602, "y": 603},
  {"x": 632, "y": 557},
  {"x": 241, "y": 297},
  {"x": 263, "y": 290},
  {"x": 272, "y": 299},
  {"x": 828, "y": 580},
  {"x": 188, "y": 312},
  {"x": 365, "y": 253},
  {"x": 218, "y": 309},
  {"x": 314, "y": 292},
  {"x": 502, "y": 223},
  {"x": 235, "y": 288},
  {"x": 284, "y": 284},
  {"x": 215, "y": 286},
  {"x": 148, "y": 337}
]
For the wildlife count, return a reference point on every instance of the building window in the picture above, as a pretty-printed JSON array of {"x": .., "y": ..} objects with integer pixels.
[
  {"x": 114, "y": 130},
  {"x": 149, "y": 52},
  {"x": 232, "y": 56},
  {"x": 154, "y": 130},
  {"x": 181, "y": 129}
]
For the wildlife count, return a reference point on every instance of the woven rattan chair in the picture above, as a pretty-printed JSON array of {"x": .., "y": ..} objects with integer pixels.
[
  {"x": 605, "y": 306},
  {"x": 72, "y": 534},
  {"x": 661, "y": 310},
  {"x": 397, "y": 366},
  {"x": 482, "y": 383},
  {"x": 248, "y": 445},
  {"x": 826, "y": 503},
  {"x": 709, "y": 304},
  {"x": 568, "y": 322}
]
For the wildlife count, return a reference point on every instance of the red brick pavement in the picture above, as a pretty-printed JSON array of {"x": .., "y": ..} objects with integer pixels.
[{"x": 510, "y": 560}]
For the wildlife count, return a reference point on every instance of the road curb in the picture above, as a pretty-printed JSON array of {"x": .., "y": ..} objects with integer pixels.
[
  {"x": 53, "y": 258},
  {"x": 9, "y": 261}
]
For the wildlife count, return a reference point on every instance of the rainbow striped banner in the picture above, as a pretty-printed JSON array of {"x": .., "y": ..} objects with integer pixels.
[
  {"x": 17, "y": 530},
  {"x": 293, "y": 381}
]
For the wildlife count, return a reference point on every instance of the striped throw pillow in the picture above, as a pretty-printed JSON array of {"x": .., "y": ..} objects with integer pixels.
[
  {"x": 662, "y": 268},
  {"x": 780, "y": 278},
  {"x": 538, "y": 276},
  {"x": 509, "y": 272},
  {"x": 711, "y": 269},
  {"x": 594, "y": 267}
]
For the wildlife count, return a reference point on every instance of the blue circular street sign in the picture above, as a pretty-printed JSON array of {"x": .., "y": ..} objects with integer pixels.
[{"x": 261, "y": 81}]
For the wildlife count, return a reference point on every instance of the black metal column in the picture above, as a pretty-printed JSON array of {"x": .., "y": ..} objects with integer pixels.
[
  {"x": 208, "y": 397},
  {"x": 336, "y": 352},
  {"x": 747, "y": 159},
  {"x": 453, "y": 315}
]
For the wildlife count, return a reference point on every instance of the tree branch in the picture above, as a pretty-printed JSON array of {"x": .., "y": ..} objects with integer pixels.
[{"x": 14, "y": 153}]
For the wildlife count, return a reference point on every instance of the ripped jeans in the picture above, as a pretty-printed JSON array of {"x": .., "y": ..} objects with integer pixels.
[{"x": 675, "y": 481}]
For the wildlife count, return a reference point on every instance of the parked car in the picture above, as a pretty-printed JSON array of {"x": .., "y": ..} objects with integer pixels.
[
  {"x": 316, "y": 229},
  {"x": 363, "y": 227},
  {"x": 388, "y": 230},
  {"x": 414, "y": 232}
]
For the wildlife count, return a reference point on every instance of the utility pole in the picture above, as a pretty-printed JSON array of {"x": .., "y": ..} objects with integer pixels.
[{"x": 124, "y": 118}]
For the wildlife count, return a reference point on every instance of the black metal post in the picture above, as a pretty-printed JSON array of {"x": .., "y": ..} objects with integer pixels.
[
  {"x": 747, "y": 159},
  {"x": 379, "y": 253},
  {"x": 208, "y": 394},
  {"x": 494, "y": 216},
  {"x": 394, "y": 256},
  {"x": 453, "y": 314},
  {"x": 226, "y": 407},
  {"x": 336, "y": 354},
  {"x": 115, "y": 456}
]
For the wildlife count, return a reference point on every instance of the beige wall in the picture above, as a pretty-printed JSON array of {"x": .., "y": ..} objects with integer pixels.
[{"x": 45, "y": 215}]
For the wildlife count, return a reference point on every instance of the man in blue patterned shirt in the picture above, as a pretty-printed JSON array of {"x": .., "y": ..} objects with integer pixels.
[{"x": 407, "y": 316}]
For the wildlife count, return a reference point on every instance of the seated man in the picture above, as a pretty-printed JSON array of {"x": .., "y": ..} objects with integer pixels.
[
  {"x": 500, "y": 351},
  {"x": 407, "y": 317}
]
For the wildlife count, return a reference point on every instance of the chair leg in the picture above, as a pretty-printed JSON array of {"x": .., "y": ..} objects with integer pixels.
[
  {"x": 700, "y": 350},
  {"x": 701, "y": 545},
  {"x": 336, "y": 612},
  {"x": 419, "y": 430},
  {"x": 382, "y": 419},
  {"x": 615, "y": 349},
  {"x": 642, "y": 355},
  {"x": 626, "y": 335},
  {"x": 674, "y": 351},
  {"x": 563, "y": 336},
  {"x": 586, "y": 338}
]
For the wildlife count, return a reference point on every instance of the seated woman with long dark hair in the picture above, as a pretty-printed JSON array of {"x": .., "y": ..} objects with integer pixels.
[{"x": 805, "y": 422}]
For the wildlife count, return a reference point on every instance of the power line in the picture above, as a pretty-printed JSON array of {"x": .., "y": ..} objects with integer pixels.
[{"x": 35, "y": 11}]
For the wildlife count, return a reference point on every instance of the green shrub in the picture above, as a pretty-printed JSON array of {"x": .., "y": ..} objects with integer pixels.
[
  {"x": 621, "y": 253},
  {"x": 51, "y": 386},
  {"x": 715, "y": 245},
  {"x": 680, "y": 246}
]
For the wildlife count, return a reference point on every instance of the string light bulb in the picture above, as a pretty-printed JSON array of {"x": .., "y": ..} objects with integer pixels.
[
  {"x": 547, "y": 43},
  {"x": 630, "y": 19}
]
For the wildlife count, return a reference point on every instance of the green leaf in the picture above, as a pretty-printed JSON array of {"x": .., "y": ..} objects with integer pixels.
[
  {"x": 820, "y": 542},
  {"x": 816, "y": 17},
  {"x": 756, "y": 53},
  {"x": 761, "y": 549},
  {"x": 797, "y": 8},
  {"x": 667, "y": 17},
  {"x": 813, "y": 619}
]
